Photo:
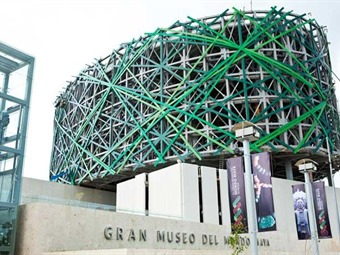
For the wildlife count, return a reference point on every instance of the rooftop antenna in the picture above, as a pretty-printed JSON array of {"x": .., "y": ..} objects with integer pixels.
[{"x": 251, "y": 5}]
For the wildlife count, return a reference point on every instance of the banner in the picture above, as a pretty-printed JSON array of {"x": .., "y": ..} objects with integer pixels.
[
  {"x": 321, "y": 211},
  {"x": 237, "y": 199},
  {"x": 301, "y": 211},
  {"x": 265, "y": 212}
]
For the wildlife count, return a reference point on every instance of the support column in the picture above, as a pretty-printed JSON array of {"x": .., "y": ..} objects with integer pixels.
[{"x": 289, "y": 170}]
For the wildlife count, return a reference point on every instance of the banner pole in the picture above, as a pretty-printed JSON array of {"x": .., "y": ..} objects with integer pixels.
[
  {"x": 311, "y": 213},
  {"x": 250, "y": 197},
  {"x": 333, "y": 187}
]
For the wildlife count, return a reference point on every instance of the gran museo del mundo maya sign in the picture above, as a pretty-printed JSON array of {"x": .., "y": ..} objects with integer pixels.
[{"x": 185, "y": 239}]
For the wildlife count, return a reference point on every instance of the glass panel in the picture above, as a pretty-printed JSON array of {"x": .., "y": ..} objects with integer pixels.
[
  {"x": 7, "y": 222},
  {"x": 17, "y": 83}
]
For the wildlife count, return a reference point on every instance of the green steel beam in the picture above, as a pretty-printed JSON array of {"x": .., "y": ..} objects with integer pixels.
[{"x": 177, "y": 92}]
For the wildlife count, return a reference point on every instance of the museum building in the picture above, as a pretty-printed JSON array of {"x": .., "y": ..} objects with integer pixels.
[{"x": 177, "y": 136}]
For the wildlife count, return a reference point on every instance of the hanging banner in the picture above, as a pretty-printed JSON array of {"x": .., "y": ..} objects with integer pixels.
[
  {"x": 266, "y": 220},
  {"x": 321, "y": 211},
  {"x": 301, "y": 211},
  {"x": 237, "y": 199}
]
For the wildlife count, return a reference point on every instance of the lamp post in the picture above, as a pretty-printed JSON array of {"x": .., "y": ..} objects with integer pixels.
[
  {"x": 246, "y": 132},
  {"x": 307, "y": 167}
]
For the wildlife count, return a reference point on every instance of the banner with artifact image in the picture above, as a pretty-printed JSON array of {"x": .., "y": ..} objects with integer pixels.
[
  {"x": 321, "y": 211},
  {"x": 237, "y": 199},
  {"x": 265, "y": 212},
  {"x": 301, "y": 211}
]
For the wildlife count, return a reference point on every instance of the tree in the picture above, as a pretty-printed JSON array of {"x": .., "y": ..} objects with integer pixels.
[{"x": 234, "y": 240}]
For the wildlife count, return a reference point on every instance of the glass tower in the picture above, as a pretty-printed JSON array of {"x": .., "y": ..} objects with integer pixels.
[{"x": 16, "y": 72}]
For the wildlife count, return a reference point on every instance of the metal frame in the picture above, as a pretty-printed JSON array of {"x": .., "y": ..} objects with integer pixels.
[
  {"x": 175, "y": 94},
  {"x": 17, "y": 69}
]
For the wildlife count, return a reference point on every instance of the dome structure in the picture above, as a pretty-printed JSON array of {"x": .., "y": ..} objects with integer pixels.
[{"x": 175, "y": 94}]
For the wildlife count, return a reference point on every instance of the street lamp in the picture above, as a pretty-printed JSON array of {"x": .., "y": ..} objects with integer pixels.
[
  {"x": 307, "y": 167},
  {"x": 246, "y": 132}
]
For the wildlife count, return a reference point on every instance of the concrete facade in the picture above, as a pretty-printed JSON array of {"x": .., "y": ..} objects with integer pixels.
[
  {"x": 140, "y": 252},
  {"x": 52, "y": 192},
  {"x": 53, "y": 229}
]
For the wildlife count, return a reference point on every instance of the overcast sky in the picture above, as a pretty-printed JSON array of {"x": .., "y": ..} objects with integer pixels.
[{"x": 65, "y": 35}]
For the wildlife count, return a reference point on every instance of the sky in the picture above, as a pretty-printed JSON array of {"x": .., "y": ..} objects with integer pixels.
[{"x": 65, "y": 35}]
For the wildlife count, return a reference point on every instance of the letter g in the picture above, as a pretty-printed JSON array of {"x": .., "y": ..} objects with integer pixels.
[{"x": 108, "y": 233}]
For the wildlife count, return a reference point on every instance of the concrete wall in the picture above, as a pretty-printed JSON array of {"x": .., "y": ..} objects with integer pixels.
[
  {"x": 139, "y": 252},
  {"x": 39, "y": 190},
  {"x": 57, "y": 228}
]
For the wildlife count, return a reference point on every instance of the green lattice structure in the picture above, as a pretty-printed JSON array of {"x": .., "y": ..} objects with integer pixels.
[{"x": 176, "y": 93}]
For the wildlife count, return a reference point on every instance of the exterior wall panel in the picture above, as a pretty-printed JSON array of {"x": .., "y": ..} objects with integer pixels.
[
  {"x": 190, "y": 192},
  {"x": 224, "y": 197},
  {"x": 131, "y": 195},
  {"x": 209, "y": 195},
  {"x": 125, "y": 195},
  {"x": 165, "y": 189}
]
